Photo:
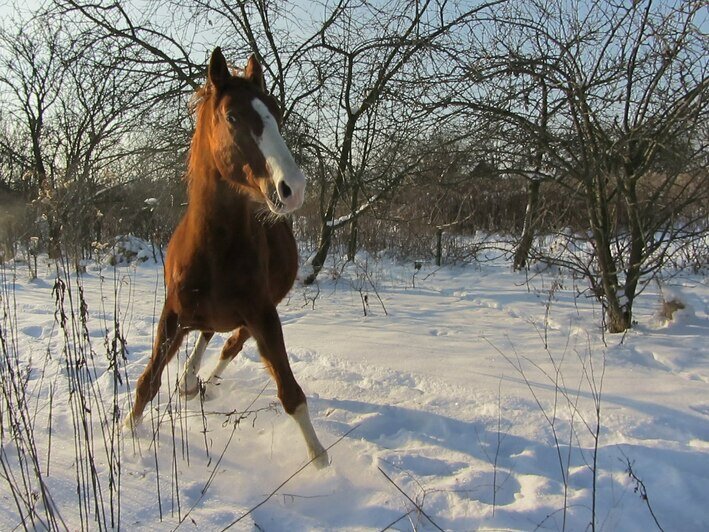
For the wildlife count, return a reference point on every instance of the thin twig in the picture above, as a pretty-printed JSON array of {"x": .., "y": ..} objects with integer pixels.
[
  {"x": 410, "y": 500},
  {"x": 640, "y": 489}
]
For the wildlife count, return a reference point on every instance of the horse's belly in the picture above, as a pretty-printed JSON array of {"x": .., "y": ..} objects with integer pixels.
[{"x": 207, "y": 312}]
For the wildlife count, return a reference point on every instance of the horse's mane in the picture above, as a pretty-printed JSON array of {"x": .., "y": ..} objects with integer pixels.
[{"x": 195, "y": 107}]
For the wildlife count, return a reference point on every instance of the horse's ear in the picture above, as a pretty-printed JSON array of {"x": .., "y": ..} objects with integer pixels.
[
  {"x": 254, "y": 73},
  {"x": 218, "y": 73}
]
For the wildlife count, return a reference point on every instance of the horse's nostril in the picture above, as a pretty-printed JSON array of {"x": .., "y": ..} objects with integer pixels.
[{"x": 286, "y": 192}]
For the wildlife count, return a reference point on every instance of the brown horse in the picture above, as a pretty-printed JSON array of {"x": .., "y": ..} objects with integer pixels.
[{"x": 233, "y": 256}]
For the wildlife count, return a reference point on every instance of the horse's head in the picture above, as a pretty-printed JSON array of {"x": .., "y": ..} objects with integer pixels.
[{"x": 245, "y": 139}]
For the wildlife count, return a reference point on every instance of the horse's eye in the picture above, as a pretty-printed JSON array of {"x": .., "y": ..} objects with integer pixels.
[{"x": 231, "y": 118}]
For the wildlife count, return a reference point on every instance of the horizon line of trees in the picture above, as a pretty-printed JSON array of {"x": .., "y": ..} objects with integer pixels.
[{"x": 413, "y": 119}]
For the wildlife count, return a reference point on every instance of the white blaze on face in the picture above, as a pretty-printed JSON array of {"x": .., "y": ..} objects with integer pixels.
[{"x": 288, "y": 180}]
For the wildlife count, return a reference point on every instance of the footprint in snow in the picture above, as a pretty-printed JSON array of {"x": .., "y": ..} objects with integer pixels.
[
  {"x": 488, "y": 487},
  {"x": 35, "y": 331},
  {"x": 422, "y": 466}
]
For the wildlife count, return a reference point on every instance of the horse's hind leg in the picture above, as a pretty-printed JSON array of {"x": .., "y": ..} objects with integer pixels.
[
  {"x": 231, "y": 348},
  {"x": 189, "y": 383},
  {"x": 267, "y": 331},
  {"x": 167, "y": 341}
]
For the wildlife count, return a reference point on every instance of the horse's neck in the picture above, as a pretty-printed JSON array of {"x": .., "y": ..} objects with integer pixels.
[{"x": 212, "y": 201}]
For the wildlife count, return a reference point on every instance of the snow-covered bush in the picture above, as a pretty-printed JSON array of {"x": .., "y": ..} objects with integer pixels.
[{"x": 128, "y": 249}]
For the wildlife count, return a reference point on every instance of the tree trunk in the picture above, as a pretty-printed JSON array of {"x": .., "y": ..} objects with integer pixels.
[
  {"x": 521, "y": 258},
  {"x": 618, "y": 320},
  {"x": 439, "y": 246},
  {"x": 530, "y": 222},
  {"x": 637, "y": 247},
  {"x": 352, "y": 242},
  {"x": 318, "y": 259},
  {"x": 327, "y": 217},
  {"x": 618, "y": 317}
]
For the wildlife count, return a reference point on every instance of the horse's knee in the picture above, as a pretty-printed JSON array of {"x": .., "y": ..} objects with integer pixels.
[
  {"x": 231, "y": 349},
  {"x": 234, "y": 344}
]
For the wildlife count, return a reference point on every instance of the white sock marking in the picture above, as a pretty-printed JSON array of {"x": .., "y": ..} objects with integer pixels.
[
  {"x": 316, "y": 451},
  {"x": 188, "y": 382}
]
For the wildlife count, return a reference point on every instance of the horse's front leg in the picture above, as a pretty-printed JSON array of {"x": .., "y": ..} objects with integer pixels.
[
  {"x": 266, "y": 330},
  {"x": 189, "y": 382},
  {"x": 167, "y": 341}
]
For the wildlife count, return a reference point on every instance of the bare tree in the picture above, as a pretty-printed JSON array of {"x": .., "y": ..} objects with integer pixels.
[
  {"x": 619, "y": 89},
  {"x": 381, "y": 58},
  {"x": 78, "y": 113},
  {"x": 31, "y": 75}
]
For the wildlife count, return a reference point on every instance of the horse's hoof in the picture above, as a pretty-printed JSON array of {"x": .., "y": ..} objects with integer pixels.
[
  {"x": 132, "y": 422},
  {"x": 188, "y": 386},
  {"x": 190, "y": 393},
  {"x": 321, "y": 461}
]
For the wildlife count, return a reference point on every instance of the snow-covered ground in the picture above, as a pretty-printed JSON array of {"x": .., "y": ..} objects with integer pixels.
[{"x": 454, "y": 413}]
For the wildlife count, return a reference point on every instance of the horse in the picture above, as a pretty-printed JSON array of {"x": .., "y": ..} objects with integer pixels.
[{"x": 233, "y": 256}]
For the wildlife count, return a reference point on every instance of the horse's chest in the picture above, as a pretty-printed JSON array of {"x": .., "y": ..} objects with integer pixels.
[
  {"x": 216, "y": 289},
  {"x": 222, "y": 278}
]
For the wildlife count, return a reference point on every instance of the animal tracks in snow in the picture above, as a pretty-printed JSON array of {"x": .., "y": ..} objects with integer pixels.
[{"x": 469, "y": 462}]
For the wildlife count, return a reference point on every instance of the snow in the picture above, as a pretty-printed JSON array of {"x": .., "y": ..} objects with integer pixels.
[
  {"x": 342, "y": 220},
  {"x": 474, "y": 394}
]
